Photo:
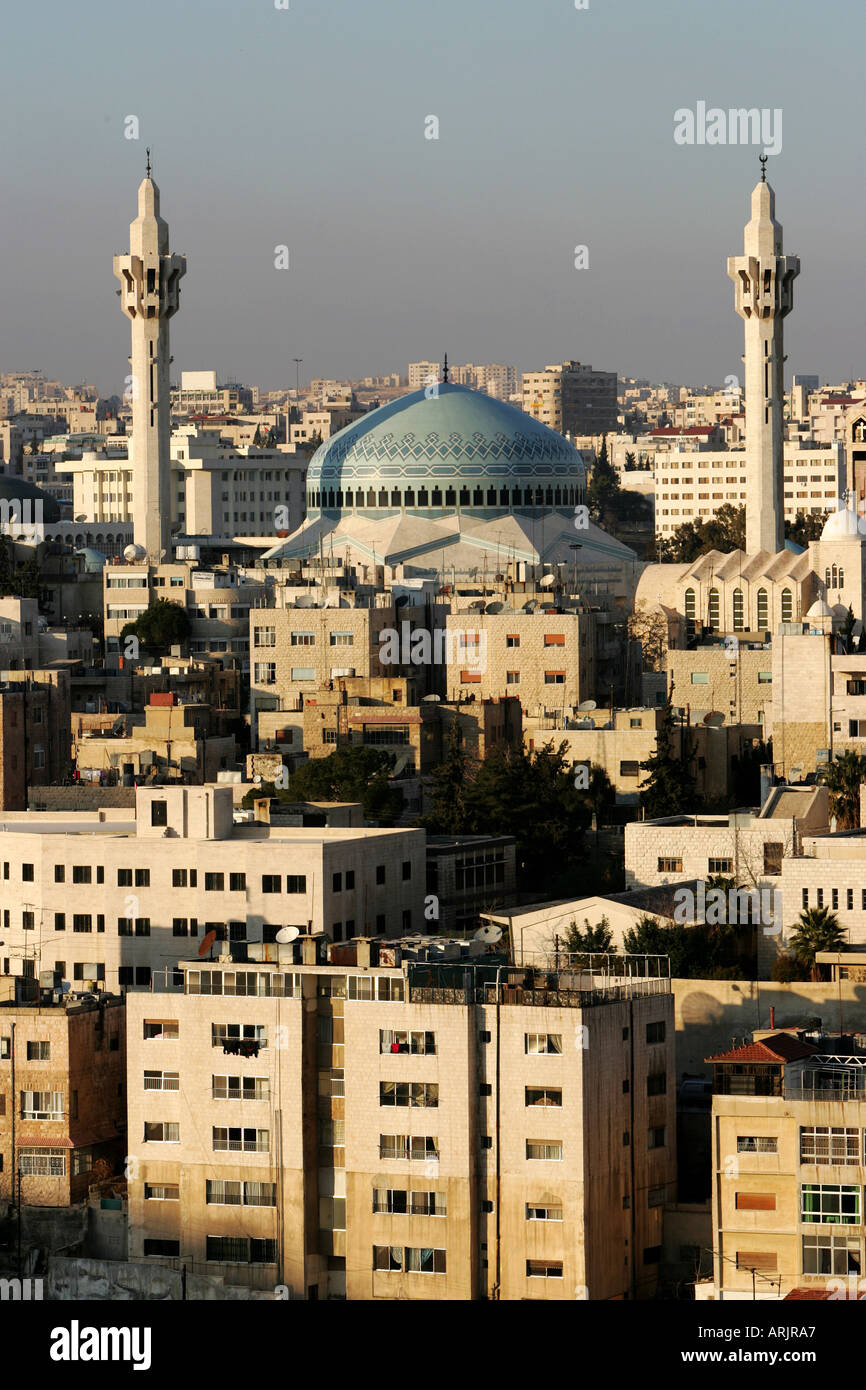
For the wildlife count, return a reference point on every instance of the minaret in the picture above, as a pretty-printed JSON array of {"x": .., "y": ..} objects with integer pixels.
[
  {"x": 150, "y": 294},
  {"x": 764, "y": 280}
]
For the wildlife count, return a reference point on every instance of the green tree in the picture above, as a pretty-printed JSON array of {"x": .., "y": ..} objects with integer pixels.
[
  {"x": 817, "y": 929},
  {"x": 843, "y": 778},
  {"x": 258, "y": 439},
  {"x": 350, "y": 774},
  {"x": 805, "y": 527},
  {"x": 448, "y": 799},
  {"x": 161, "y": 626},
  {"x": 588, "y": 940},
  {"x": 630, "y": 464},
  {"x": 725, "y": 531},
  {"x": 786, "y": 969},
  {"x": 670, "y": 787}
]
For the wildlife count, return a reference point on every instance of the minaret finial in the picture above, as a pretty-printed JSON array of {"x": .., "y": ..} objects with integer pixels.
[
  {"x": 763, "y": 158},
  {"x": 445, "y": 368},
  {"x": 147, "y": 171}
]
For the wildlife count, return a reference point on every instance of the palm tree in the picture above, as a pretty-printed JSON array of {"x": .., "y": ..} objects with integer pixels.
[
  {"x": 817, "y": 930},
  {"x": 842, "y": 779}
]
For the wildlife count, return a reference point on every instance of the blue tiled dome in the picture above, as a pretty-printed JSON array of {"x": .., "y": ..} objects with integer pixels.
[{"x": 486, "y": 453}]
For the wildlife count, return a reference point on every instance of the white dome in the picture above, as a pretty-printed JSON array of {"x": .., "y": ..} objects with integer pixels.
[
  {"x": 820, "y": 609},
  {"x": 844, "y": 522}
]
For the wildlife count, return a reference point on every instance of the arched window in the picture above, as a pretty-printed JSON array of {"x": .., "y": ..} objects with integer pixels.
[
  {"x": 827, "y": 577},
  {"x": 833, "y": 583},
  {"x": 763, "y": 609},
  {"x": 787, "y": 606},
  {"x": 841, "y": 577},
  {"x": 738, "y": 610},
  {"x": 713, "y": 608},
  {"x": 689, "y": 606}
]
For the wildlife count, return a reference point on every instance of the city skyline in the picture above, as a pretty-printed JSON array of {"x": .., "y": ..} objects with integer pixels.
[{"x": 402, "y": 246}]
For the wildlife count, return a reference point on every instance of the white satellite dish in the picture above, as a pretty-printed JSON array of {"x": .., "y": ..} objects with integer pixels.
[
  {"x": 546, "y": 582},
  {"x": 287, "y": 934},
  {"x": 490, "y": 933},
  {"x": 587, "y": 705}
]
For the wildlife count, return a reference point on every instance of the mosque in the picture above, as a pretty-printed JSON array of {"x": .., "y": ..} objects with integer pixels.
[{"x": 451, "y": 482}]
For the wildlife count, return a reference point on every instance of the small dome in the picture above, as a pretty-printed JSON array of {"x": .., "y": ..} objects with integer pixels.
[
  {"x": 819, "y": 609},
  {"x": 844, "y": 522}
]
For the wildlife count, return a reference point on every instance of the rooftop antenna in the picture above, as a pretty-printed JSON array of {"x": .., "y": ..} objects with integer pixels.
[{"x": 147, "y": 172}]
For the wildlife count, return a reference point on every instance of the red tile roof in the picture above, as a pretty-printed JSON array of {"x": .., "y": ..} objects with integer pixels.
[
  {"x": 817, "y": 1295},
  {"x": 779, "y": 1048}
]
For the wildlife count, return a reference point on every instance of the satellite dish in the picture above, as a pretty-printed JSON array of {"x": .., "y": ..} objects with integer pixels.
[
  {"x": 495, "y": 607},
  {"x": 547, "y": 581},
  {"x": 427, "y": 699},
  {"x": 714, "y": 719},
  {"x": 588, "y": 705},
  {"x": 287, "y": 934},
  {"x": 257, "y": 779},
  {"x": 207, "y": 943},
  {"x": 490, "y": 933},
  {"x": 401, "y": 600}
]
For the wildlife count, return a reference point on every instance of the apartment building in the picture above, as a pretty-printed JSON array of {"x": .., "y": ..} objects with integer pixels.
[
  {"x": 176, "y": 739},
  {"x": 422, "y": 374},
  {"x": 546, "y": 660},
  {"x": 199, "y": 394},
  {"x": 218, "y": 600},
  {"x": 106, "y": 896},
  {"x": 219, "y": 490},
  {"x": 384, "y": 1125},
  {"x": 63, "y": 1080},
  {"x": 691, "y": 486},
  {"x": 35, "y": 735},
  {"x": 573, "y": 398},
  {"x": 789, "y": 1167}
]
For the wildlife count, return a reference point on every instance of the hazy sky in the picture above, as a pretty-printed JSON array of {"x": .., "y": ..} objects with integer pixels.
[{"x": 305, "y": 127}]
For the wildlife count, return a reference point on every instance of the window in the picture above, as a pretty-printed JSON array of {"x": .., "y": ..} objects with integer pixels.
[
  {"x": 42, "y": 1163},
  {"x": 416, "y": 1147},
  {"x": 755, "y": 1201},
  {"x": 554, "y": 639},
  {"x": 720, "y": 866},
  {"x": 427, "y": 1203},
  {"x": 240, "y": 1250},
  {"x": 229, "y": 1193},
  {"x": 548, "y": 1213},
  {"x": 738, "y": 610},
  {"x": 657, "y": 1084},
  {"x": 82, "y": 922},
  {"x": 240, "y": 1088},
  {"x": 164, "y": 1192},
  {"x": 303, "y": 639},
  {"x": 342, "y": 639},
  {"x": 537, "y": 1043},
  {"x": 298, "y": 673},
  {"x": 773, "y": 851},
  {"x": 142, "y": 878},
  {"x": 825, "y": 1144},
  {"x": 829, "y": 1255},
  {"x": 124, "y": 878},
  {"x": 215, "y": 883},
  {"x": 757, "y": 1144},
  {"x": 652, "y": 1254},
  {"x": 38, "y": 1051},
  {"x": 178, "y": 878},
  {"x": 159, "y": 813},
  {"x": 59, "y": 873},
  {"x": 655, "y": 1032},
  {"x": 380, "y": 873},
  {"x": 81, "y": 873},
  {"x": 762, "y": 608},
  {"x": 832, "y": 1204},
  {"x": 421, "y": 1094},
  {"x": 161, "y": 1081},
  {"x": 27, "y": 873},
  {"x": 629, "y": 767},
  {"x": 272, "y": 883},
  {"x": 159, "y": 1132},
  {"x": 713, "y": 608},
  {"x": 41, "y": 1105},
  {"x": 670, "y": 866},
  {"x": 554, "y": 678},
  {"x": 388, "y": 1257},
  {"x": 419, "y": 1044},
  {"x": 162, "y": 1028},
  {"x": 545, "y": 1095},
  {"x": 656, "y": 1137},
  {"x": 512, "y": 640},
  {"x": 546, "y": 1150},
  {"x": 787, "y": 606},
  {"x": 407, "y": 870},
  {"x": 236, "y": 1140},
  {"x": 512, "y": 677},
  {"x": 544, "y": 1269}
]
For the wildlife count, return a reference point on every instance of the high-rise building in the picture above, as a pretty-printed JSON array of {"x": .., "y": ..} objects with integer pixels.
[
  {"x": 149, "y": 295},
  {"x": 573, "y": 398},
  {"x": 764, "y": 280},
  {"x": 383, "y": 1122}
]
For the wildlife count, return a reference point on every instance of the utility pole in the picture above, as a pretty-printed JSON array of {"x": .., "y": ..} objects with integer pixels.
[{"x": 297, "y": 361}]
